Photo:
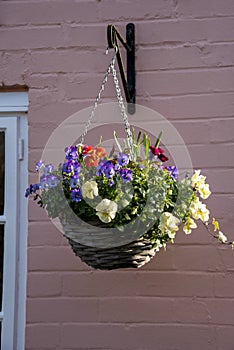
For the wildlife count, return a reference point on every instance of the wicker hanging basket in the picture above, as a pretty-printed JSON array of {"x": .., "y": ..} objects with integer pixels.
[{"x": 131, "y": 255}]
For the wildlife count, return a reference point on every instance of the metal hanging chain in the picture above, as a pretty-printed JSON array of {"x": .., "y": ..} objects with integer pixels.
[
  {"x": 123, "y": 110},
  {"x": 97, "y": 98},
  {"x": 111, "y": 68}
]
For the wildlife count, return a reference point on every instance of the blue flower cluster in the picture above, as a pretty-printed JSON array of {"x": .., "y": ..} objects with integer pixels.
[
  {"x": 47, "y": 180},
  {"x": 71, "y": 168},
  {"x": 109, "y": 169}
]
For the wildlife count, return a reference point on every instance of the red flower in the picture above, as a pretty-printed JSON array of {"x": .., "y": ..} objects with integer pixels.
[
  {"x": 162, "y": 158},
  {"x": 159, "y": 153},
  {"x": 91, "y": 160},
  {"x": 87, "y": 149},
  {"x": 100, "y": 152},
  {"x": 156, "y": 151}
]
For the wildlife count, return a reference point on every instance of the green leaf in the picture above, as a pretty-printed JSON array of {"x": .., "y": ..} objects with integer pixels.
[
  {"x": 133, "y": 135},
  {"x": 117, "y": 142},
  {"x": 139, "y": 137},
  {"x": 158, "y": 140}
]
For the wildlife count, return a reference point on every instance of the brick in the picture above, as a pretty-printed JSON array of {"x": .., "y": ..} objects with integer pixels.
[
  {"x": 185, "y": 82},
  {"x": 42, "y": 12},
  {"x": 44, "y": 234},
  {"x": 69, "y": 60},
  {"x": 163, "y": 261},
  {"x": 86, "y": 36},
  {"x": 45, "y": 112},
  {"x": 224, "y": 284},
  {"x": 54, "y": 259},
  {"x": 85, "y": 86},
  {"x": 42, "y": 336},
  {"x": 29, "y": 38},
  {"x": 138, "y": 284},
  {"x": 53, "y": 310},
  {"x": 39, "y": 133},
  {"x": 188, "y": 55},
  {"x": 123, "y": 10},
  {"x": 43, "y": 81},
  {"x": 189, "y": 131},
  {"x": 142, "y": 337},
  {"x": 197, "y": 237},
  {"x": 221, "y": 130},
  {"x": 44, "y": 285},
  {"x": 226, "y": 252},
  {"x": 220, "y": 310},
  {"x": 179, "y": 31},
  {"x": 201, "y": 8},
  {"x": 212, "y": 105},
  {"x": 224, "y": 336},
  {"x": 192, "y": 311},
  {"x": 14, "y": 68},
  {"x": 136, "y": 310},
  {"x": 36, "y": 213},
  {"x": 221, "y": 206},
  {"x": 211, "y": 155},
  {"x": 220, "y": 180},
  {"x": 198, "y": 258}
]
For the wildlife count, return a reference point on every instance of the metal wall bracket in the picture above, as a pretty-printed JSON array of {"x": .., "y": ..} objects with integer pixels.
[{"x": 129, "y": 84}]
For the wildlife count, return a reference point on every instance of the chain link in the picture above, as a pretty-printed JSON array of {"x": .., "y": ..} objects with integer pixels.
[
  {"x": 111, "y": 69},
  {"x": 97, "y": 98},
  {"x": 122, "y": 110}
]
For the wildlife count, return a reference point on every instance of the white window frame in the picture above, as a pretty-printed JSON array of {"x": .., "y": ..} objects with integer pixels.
[{"x": 13, "y": 108}]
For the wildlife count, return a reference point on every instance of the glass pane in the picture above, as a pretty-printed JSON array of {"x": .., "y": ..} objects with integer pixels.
[
  {"x": 2, "y": 170},
  {"x": 1, "y": 261}
]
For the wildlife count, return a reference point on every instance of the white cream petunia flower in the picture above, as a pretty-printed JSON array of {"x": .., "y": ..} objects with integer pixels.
[
  {"x": 106, "y": 210},
  {"x": 169, "y": 224},
  {"x": 90, "y": 189}
]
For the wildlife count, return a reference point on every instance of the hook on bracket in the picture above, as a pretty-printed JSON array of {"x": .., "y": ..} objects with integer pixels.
[{"x": 129, "y": 83}]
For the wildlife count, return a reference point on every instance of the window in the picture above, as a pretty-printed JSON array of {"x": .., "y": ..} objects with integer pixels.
[{"x": 13, "y": 219}]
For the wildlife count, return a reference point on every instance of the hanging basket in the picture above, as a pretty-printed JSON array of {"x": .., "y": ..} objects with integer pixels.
[{"x": 131, "y": 255}]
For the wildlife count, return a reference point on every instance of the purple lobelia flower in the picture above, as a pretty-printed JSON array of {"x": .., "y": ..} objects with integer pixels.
[
  {"x": 76, "y": 194},
  {"x": 52, "y": 181},
  {"x": 173, "y": 171},
  {"x": 126, "y": 174},
  {"x": 123, "y": 159},
  {"x": 48, "y": 169},
  {"x": 44, "y": 182},
  {"x": 71, "y": 153},
  {"x": 39, "y": 165}
]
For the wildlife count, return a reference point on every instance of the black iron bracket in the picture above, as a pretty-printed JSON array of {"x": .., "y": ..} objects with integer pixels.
[{"x": 129, "y": 84}]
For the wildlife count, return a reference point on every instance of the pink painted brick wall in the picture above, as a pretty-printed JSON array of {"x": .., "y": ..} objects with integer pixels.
[{"x": 184, "y": 298}]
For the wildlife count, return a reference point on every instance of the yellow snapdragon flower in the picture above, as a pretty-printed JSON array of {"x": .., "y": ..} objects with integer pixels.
[
  {"x": 198, "y": 182},
  {"x": 199, "y": 210},
  {"x": 189, "y": 224}
]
